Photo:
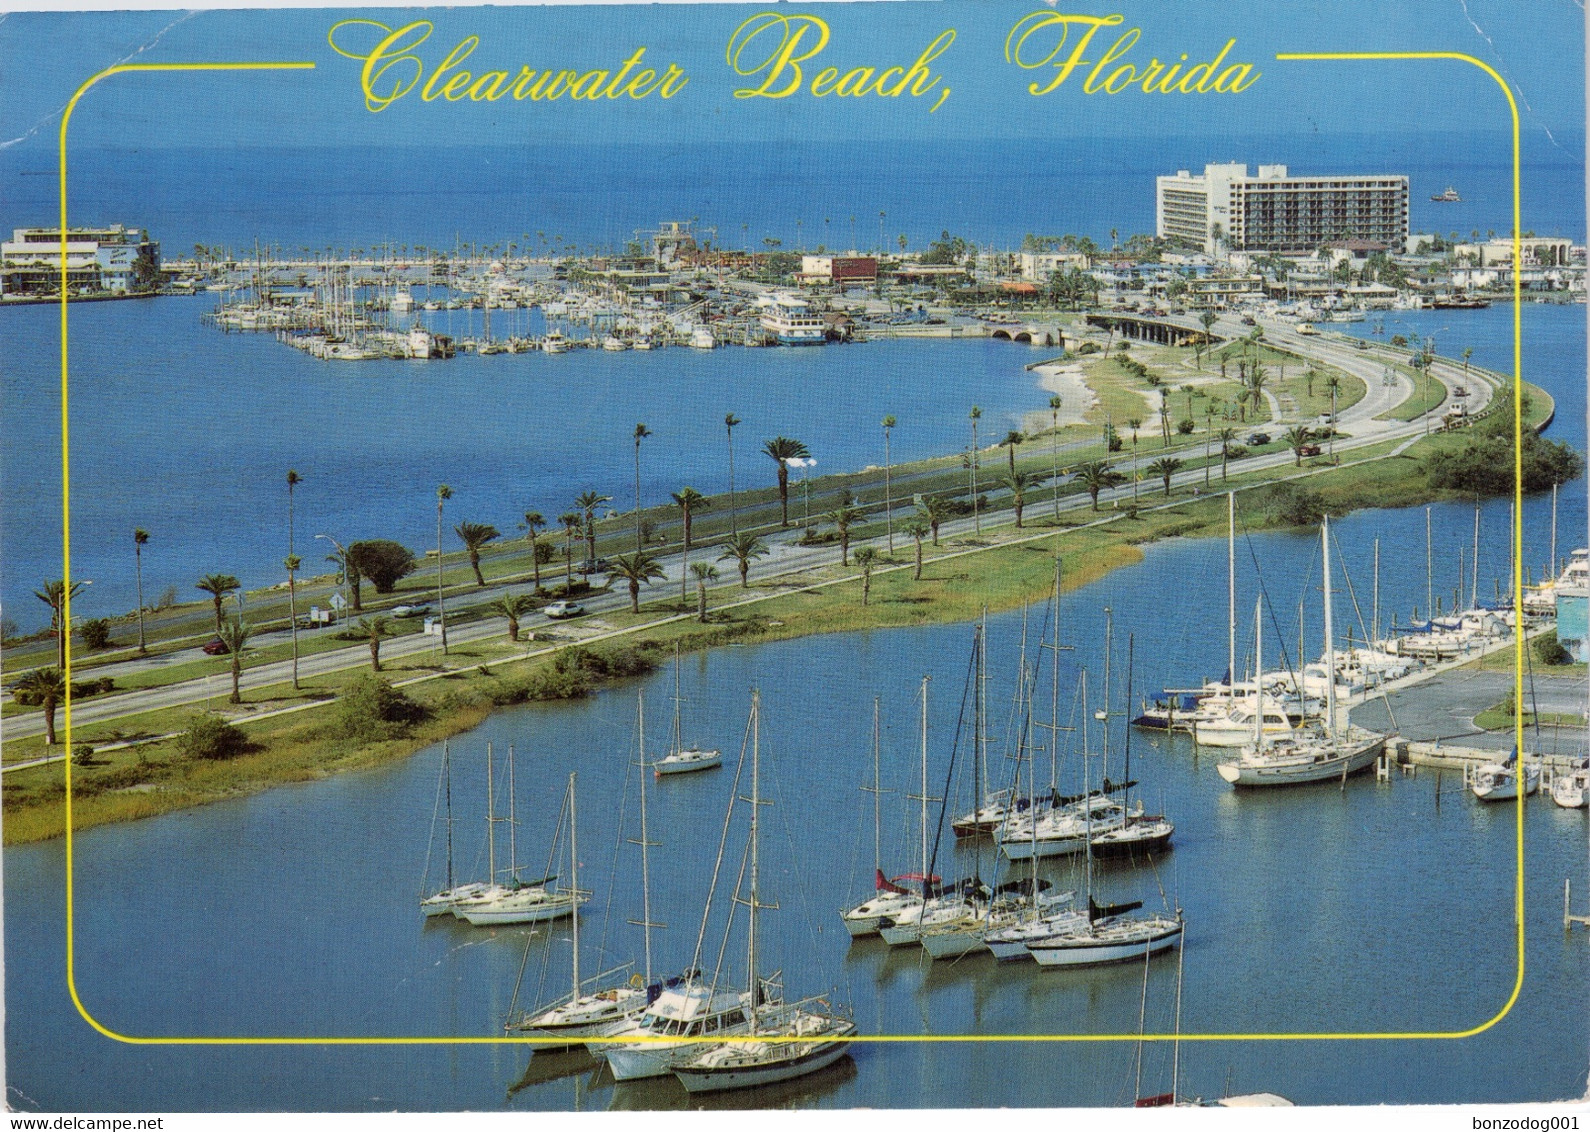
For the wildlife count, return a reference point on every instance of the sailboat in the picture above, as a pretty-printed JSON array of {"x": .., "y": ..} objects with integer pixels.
[
  {"x": 784, "y": 1040},
  {"x": 441, "y": 903},
  {"x": 1312, "y": 756},
  {"x": 1140, "y": 832},
  {"x": 891, "y": 897},
  {"x": 513, "y": 901},
  {"x": 681, "y": 759},
  {"x": 1571, "y": 791},
  {"x": 1108, "y": 933},
  {"x": 584, "y": 1013},
  {"x": 1502, "y": 781}
]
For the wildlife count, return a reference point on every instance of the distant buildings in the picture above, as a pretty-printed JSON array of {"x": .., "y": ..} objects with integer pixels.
[
  {"x": 105, "y": 261},
  {"x": 840, "y": 269},
  {"x": 1225, "y": 208}
]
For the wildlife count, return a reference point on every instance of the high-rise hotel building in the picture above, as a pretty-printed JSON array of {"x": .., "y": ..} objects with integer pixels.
[{"x": 1274, "y": 212}]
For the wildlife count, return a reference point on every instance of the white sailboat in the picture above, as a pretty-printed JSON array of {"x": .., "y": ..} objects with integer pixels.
[
  {"x": 1502, "y": 781},
  {"x": 1326, "y": 755},
  {"x": 681, "y": 759},
  {"x": 514, "y": 901},
  {"x": 890, "y": 897},
  {"x": 441, "y": 903},
  {"x": 1140, "y": 832},
  {"x": 784, "y": 1040},
  {"x": 592, "y": 1013},
  {"x": 1571, "y": 791}
]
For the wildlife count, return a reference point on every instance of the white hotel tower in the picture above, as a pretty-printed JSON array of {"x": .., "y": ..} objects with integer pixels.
[{"x": 1274, "y": 212}]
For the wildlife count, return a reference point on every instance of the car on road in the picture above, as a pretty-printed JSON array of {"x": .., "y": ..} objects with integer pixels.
[
  {"x": 1309, "y": 450},
  {"x": 216, "y": 647},
  {"x": 410, "y": 610},
  {"x": 597, "y": 566},
  {"x": 1258, "y": 438},
  {"x": 560, "y": 610}
]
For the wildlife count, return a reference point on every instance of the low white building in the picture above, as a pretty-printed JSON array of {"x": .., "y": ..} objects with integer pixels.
[
  {"x": 114, "y": 261},
  {"x": 1038, "y": 266}
]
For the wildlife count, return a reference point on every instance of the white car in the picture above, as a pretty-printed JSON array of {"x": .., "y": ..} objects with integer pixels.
[{"x": 559, "y": 610}]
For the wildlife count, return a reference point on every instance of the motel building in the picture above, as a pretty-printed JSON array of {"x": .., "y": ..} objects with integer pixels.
[{"x": 99, "y": 261}]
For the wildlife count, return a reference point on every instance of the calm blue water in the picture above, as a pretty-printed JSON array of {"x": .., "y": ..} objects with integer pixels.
[{"x": 292, "y": 912}]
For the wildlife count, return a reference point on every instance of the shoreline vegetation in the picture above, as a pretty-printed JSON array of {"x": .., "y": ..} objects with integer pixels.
[{"x": 305, "y": 733}]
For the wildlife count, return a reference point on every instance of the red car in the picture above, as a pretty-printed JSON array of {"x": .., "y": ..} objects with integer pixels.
[
  {"x": 1309, "y": 450},
  {"x": 216, "y": 647}
]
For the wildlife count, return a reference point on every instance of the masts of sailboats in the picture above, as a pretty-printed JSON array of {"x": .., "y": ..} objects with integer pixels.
[
  {"x": 1231, "y": 589},
  {"x": 888, "y": 897},
  {"x": 645, "y": 843},
  {"x": 1330, "y": 638}
]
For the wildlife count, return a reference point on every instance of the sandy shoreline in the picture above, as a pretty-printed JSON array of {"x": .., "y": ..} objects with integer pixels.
[{"x": 1076, "y": 399}]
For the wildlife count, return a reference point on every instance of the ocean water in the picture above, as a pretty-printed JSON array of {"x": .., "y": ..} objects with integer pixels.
[{"x": 1371, "y": 908}]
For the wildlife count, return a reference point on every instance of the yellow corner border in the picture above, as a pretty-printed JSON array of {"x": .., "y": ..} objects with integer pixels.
[{"x": 1518, "y": 651}]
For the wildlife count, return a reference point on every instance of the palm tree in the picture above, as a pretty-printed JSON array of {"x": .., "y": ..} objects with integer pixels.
[
  {"x": 934, "y": 509},
  {"x": 571, "y": 531},
  {"x": 374, "y": 628},
  {"x": 443, "y": 494},
  {"x": 742, "y": 548},
  {"x": 474, "y": 536},
  {"x": 729, "y": 421},
  {"x": 689, "y": 502},
  {"x": 1164, "y": 468},
  {"x": 140, "y": 540},
  {"x": 866, "y": 558},
  {"x": 888, "y": 501},
  {"x": 1054, "y": 452},
  {"x": 918, "y": 530},
  {"x": 1256, "y": 382},
  {"x": 1296, "y": 438},
  {"x": 1018, "y": 485},
  {"x": 588, "y": 502},
  {"x": 1226, "y": 435},
  {"x": 1468, "y": 352},
  {"x": 218, "y": 586},
  {"x": 641, "y": 433},
  {"x": 1096, "y": 476},
  {"x": 533, "y": 521},
  {"x": 1334, "y": 384},
  {"x": 234, "y": 635},
  {"x": 842, "y": 517},
  {"x": 1012, "y": 439},
  {"x": 1208, "y": 321},
  {"x": 635, "y": 569},
  {"x": 705, "y": 572},
  {"x": 292, "y": 563},
  {"x": 513, "y": 607},
  {"x": 977, "y": 522},
  {"x": 54, "y": 595},
  {"x": 780, "y": 450},
  {"x": 45, "y": 687}
]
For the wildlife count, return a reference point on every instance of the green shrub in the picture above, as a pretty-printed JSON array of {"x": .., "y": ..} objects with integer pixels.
[
  {"x": 96, "y": 633},
  {"x": 371, "y": 709},
  {"x": 1288, "y": 505},
  {"x": 1185, "y": 427},
  {"x": 211, "y": 737},
  {"x": 1549, "y": 650}
]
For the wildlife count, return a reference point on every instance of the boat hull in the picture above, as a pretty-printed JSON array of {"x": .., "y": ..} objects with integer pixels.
[
  {"x": 819, "y": 1056},
  {"x": 1078, "y": 952},
  {"x": 649, "y": 1059},
  {"x": 1292, "y": 772},
  {"x": 952, "y": 943},
  {"x": 1571, "y": 792}
]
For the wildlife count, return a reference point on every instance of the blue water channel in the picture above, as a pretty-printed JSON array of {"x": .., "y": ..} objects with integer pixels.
[{"x": 1376, "y": 907}]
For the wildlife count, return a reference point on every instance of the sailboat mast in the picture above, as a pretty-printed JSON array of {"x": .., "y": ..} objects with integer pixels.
[
  {"x": 1474, "y": 566},
  {"x": 491, "y": 820},
  {"x": 1258, "y": 664},
  {"x": 1104, "y": 712},
  {"x": 924, "y": 791},
  {"x": 513, "y": 821},
  {"x": 1375, "y": 616},
  {"x": 1330, "y": 641},
  {"x": 447, "y": 778},
  {"x": 1087, "y": 799},
  {"x": 679, "y": 740},
  {"x": 1553, "y": 530},
  {"x": 1126, "y": 774},
  {"x": 1054, "y": 694},
  {"x": 877, "y": 815},
  {"x": 756, "y": 802},
  {"x": 1175, "y": 1049},
  {"x": 1429, "y": 572},
  {"x": 574, "y": 883},
  {"x": 645, "y": 841},
  {"x": 1231, "y": 588}
]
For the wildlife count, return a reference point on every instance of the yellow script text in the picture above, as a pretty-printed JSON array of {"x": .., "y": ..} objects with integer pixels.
[
  {"x": 772, "y": 47},
  {"x": 1055, "y": 40}
]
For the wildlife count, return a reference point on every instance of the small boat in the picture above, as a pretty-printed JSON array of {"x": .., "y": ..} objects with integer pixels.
[
  {"x": 701, "y": 339},
  {"x": 1499, "y": 782},
  {"x": 681, "y": 759},
  {"x": 554, "y": 342},
  {"x": 1571, "y": 791},
  {"x": 1450, "y": 196},
  {"x": 613, "y": 344},
  {"x": 890, "y": 898}
]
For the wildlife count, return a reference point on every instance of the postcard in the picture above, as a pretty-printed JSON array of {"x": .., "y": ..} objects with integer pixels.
[{"x": 881, "y": 555}]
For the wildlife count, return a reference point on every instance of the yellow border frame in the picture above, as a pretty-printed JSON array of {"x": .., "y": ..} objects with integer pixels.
[{"x": 1518, "y": 669}]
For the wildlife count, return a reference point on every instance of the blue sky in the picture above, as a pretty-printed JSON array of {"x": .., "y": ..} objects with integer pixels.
[{"x": 1537, "y": 46}]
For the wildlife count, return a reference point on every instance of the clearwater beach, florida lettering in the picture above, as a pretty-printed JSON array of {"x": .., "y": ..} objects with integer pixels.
[{"x": 779, "y": 54}]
